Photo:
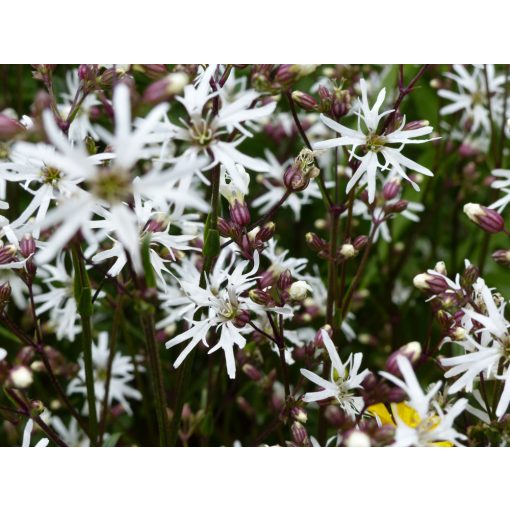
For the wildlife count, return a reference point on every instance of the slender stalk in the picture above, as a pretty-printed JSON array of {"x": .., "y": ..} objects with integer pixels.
[
  {"x": 147, "y": 319},
  {"x": 83, "y": 297}
]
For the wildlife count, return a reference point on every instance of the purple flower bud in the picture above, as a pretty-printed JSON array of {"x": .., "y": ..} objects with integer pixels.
[
  {"x": 285, "y": 280},
  {"x": 299, "y": 414},
  {"x": 487, "y": 219},
  {"x": 260, "y": 297},
  {"x": 412, "y": 351},
  {"x": 27, "y": 246},
  {"x": 7, "y": 254},
  {"x": 242, "y": 318},
  {"x": 502, "y": 257},
  {"x": 266, "y": 232},
  {"x": 360, "y": 242},
  {"x": 224, "y": 227},
  {"x": 391, "y": 189},
  {"x": 416, "y": 124},
  {"x": 240, "y": 214},
  {"x": 470, "y": 275},
  {"x": 397, "y": 207},
  {"x": 306, "y": 101},
  {"x": 299, "y": 434},
  {"x": 430, "y": 282},
  {"x": 166, "y": 88},
  {"x": 87, "y": 72},
  {"x": 9, "y": 127},
  {"x": 315, "y": 242},
  {"x": 253, "y": 373}
]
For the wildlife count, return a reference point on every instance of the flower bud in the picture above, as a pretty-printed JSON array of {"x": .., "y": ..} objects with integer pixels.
[
  {"x": 319, "y": 343},
  {"x": 487, "y": 219},
  {"x": 315, "y": 242},
  {"x": 299, "y": 434},
  {"x": 502, "y": 257},
  {"x": 163, "y": 89},
  {"x": 470, "y": 275},
  {"x": 430, "y": 283},
  {"x": 21, "y": 377},
  {"x": 252, "y": 372},
  {"x": 360, "y": 242},
  {"x": 358, "y": 439},
  {"x": 412, "y": 351},
  {"x": 416, "y": 124},
  {"x": 285, "y": 280},
  {"x": 299, "y": 290},
  {"x": 5, "y": 294},
  {"x": 347, "y": 251},
  {"x": 397, "y": 207},
  {"x": 299, "y": 414},
  {"x": 240, "y": 214},
  {"x": 306, "y": 101},
  {"x": 260, "y": 297},
  {"x": 241, "y": 319},
  {"x": 391, "y": 189},
  {"x": 224, "y": 227},
  {"x": 27, "y": 246},
  {"x": 266, "y": 232},
  {"x": 7, "y": 253},
  {"x": 9, "y": 127}
]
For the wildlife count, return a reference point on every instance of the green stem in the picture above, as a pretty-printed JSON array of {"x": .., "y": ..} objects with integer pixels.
[{"x": 83, "y": 296}]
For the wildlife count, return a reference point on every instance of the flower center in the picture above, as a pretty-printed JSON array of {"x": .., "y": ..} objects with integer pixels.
[
  {"x": 201, "y": 132},
  {"x": 51, "y": 175},
  {"x": 112, "y": 185},
  {"x": 375, "y": 142},
  {"x": 4, "y": 150}
]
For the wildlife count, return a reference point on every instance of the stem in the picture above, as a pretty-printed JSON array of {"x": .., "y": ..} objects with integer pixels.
[
  {"x": 147, "y": 320},
  {"x": 83, "y": 297}
]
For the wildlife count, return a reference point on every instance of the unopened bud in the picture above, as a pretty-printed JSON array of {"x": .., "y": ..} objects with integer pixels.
[
  {"x": 470, "y": 275},
  {"x": 167, "y": 87},
  {"x": 27, "y": 246},
  {"x": 9, "y": 127},
  {"x": 360, "y": 242},
  {"x": 7, "y": 253},
  {"x": 487, "y": 219},
  {"x": 252, "y": 372},
  {"x": 412, "y": 351},
  {"x": 240, "y": 214},
  {"x": 319, "y": 343},
  {"x": 266, "y": 232},
  {"x": 315, "y": 242},
  {"x": 306, "y": 101},
  {"x": 260, "y": 297},
  {"x": 285, "y": 280},
  {"x": 224, "y": 227},
  {"x": 242, "y": 318},
  {"x": 431, "y": 283},
  {"x": 21, "y": 377},
  {"x": 502, "y": 257},
  {"x": 299, "y": 434},
  {"x": 299, "y": 290},
  {"x": 391, "y": 189},
  {"x": 397, "y": 207},
  {"x": 348, "y": 251},
  {"x": 299, "y": 414},
  {"x": 416, "y": 124},
  {"x": 358, "y": 439}
]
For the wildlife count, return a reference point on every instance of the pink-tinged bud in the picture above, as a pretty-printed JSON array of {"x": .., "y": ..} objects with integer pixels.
[
  {"x": 159, "y": 223},
  {"x": 391, "y": 189},
  {"x": 5, "y": 294},
  {"x": 266, "y": 279},
  {"x": 241, "y": 319},
  {"x": 306, "y": 101},
  {"x": 266, "y": 232},
  {"x": 319, "y": 343},
  {"x": 294, "y": 179},
  {"x": 260, "y": 297},
  {"x": 299, "y": 434},
  {"x": 487, "y": 219},
  {"x": 299, "y": 414},
  {"x": 27, "y": 246},
  {"x": 169, "y": 86},
  {"x": 412, "y": 351},
  {"x": 470, "y": 275},
  {"x": 397, "y": 207},
  {"x": 360, "y": 242},
  {"x": 467, "y": 151},
  {"x": 285, "y": 74},
  {"x": 502, "y": 257},
  {"x": 7, "y": 254},
  {"x": 240, "y": 214},
  {"x": 155, "y": 71},
  {"x": 253, "y": 373},
  {"x": 224, "y": 227},
  {"x": 88, "y": 72},
  {"x": 315, "y": 242},
  {"x": 444, "y": 319},
  {"x": 430, "y": 283},
  {"x": 285, "y": 280},
  {"x": 416, "y": 124},
  {"x": 9, "y": 127}
]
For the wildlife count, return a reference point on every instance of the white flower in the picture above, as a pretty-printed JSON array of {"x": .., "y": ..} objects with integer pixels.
[
  {"x": 203, "y": 131},
  {"x": 226, "y": 307},
  {"x": 376, "y": 144},
  {"x": 472, "y": 98},
  {"x": 344, "y": 380},
  {"x": 3, "y": 353},
  {"x": 27, "y": 432},
  {"x": 420, "y": 421},
  {"x": 503, "y": 183},
  {"x": 72, "y": 435},
  {"x": 59, "y": 299},
  {"x": 122, "y": 375}
]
